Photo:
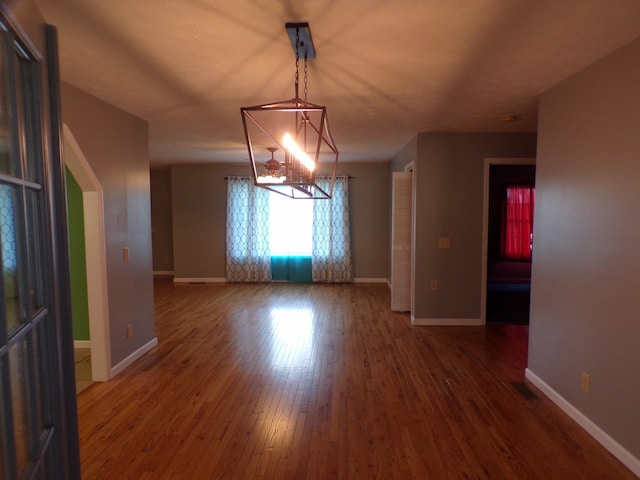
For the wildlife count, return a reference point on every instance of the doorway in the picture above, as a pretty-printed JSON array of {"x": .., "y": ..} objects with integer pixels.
[
  {"x": 96, "y": 263},
  {"x": 506, "y": 285}
]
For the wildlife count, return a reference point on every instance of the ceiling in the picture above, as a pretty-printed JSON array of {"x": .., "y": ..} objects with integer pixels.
[{"x": 385, "y": 70}]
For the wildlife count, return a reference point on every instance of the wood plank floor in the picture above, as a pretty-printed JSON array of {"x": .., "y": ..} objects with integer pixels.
[{"x": 295, "y": 381}]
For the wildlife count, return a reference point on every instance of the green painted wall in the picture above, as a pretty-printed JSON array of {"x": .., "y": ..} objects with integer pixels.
[{"x": 78, "y": 260}]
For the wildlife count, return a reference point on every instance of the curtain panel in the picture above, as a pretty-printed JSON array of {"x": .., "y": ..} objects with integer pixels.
[
  {"x": 517, "y": 223},
  {"x": 331, "y": 247},
  {"x": 248, "y": 253}
]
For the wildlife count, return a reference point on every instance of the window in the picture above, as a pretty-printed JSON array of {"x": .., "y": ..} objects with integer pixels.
[
  {"x": 272, "y": 237},
  {"x": 290, "y": 226},
  {"x": 517, "y": 222}
]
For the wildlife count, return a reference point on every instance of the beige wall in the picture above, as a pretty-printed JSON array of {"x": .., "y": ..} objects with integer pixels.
[
  {"x": 199, "y": 218},
  {"x": 586, "y": 267},
  {"x": 448, "y": 180},
  {"x": 116, "y": 145}
]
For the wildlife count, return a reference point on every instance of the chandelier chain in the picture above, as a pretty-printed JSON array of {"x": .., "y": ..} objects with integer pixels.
[
  {"x": 297, "y": 59},
  {"x": 306, "y": 89}
]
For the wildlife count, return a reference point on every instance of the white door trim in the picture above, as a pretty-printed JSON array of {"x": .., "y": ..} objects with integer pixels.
[
  {"x": 95, "y": 245},
  {"x": 485, "y": 222}
]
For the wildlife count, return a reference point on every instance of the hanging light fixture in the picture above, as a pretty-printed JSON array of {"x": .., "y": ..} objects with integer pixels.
[{"x": 294, "y": 132}]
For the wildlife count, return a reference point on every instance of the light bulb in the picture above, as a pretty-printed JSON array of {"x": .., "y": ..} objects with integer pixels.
[{"x": 291, "y": 145}]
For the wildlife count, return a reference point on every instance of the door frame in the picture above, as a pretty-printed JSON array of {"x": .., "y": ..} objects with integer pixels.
[
  {"x": 485, "y": 222},
  {"x": 95, "y": 245}
]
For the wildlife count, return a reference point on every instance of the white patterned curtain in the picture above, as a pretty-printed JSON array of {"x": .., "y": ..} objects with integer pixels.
[
  {"x": 332, "y": 234},
  {"x": 248, "y": 256}
]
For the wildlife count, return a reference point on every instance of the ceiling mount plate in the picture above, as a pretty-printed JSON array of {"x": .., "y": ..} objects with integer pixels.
[{"x": 307, "y": 49}]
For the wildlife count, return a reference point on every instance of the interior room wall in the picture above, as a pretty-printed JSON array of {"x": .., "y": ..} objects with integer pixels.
[
  {"x": 116, "y": 144},
  {"x": 406, "y": 155},
  {"x": 448, "y": 180},
  {"x": 586, "y": 266},
  {"x": 199, "y": 202},
  {"x": 77, "y": 259},
  {"x": 161, "y": 220},
  {"x": 199, "y": 218}
]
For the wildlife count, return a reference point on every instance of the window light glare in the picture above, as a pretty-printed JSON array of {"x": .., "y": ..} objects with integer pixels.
[{"x": 293, "y": 148}]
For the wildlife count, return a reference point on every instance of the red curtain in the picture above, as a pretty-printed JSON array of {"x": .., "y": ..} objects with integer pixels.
[{"x": 517, "y": 223}]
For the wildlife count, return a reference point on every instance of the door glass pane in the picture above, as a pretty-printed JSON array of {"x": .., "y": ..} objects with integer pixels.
[
  {"x": 8, "y": 164},
  {"x": 9, "y": 242},
  {"x": 17, "y": 373},
  {"x": 29, "y": 99},
  {"x": 37, "y": 264},
  {"x": 32, "y": 428}
]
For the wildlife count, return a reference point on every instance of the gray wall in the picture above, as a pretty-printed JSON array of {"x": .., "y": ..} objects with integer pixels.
[
  {"x": 449, "y": 180},
  {"x": 161, "y": 220},
  {"x": 199, "y": 194},
  {"x": 586, "y": 269},
  {"x": 116, "y": 145},
  {"x": 408, "y": 154},
  {"x": 199, "y": 218}
]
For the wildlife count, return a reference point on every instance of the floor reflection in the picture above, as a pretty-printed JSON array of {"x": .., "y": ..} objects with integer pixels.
[{"x": 292, "y": 336}]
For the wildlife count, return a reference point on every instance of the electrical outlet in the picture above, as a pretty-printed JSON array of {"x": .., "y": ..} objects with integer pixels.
[
  {"x": 129, "y": 330},
  {"x": 434, "y": 285},
  {"x": 125, "y": 254},
  {"x": 586, "y": 382}
]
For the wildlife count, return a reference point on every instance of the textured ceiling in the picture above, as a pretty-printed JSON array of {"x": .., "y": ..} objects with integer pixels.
[{"x": 385, "y": 70}]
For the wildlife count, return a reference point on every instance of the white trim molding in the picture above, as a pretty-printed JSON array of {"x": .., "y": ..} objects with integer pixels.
[
  {"x": 485, "y": 222},
  {"x": 450, "y": 322},
  {"x": 224, "y": 280},
  {"x": 617, "y": 450},
  {"x": 163, "y": 273},
  {"x": 95, "y": 245},
  {"x": 134, "y": 356},
  {"x": 200, "y": 280}
]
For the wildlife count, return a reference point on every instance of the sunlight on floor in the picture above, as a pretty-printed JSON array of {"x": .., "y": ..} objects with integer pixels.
[{"x": 293, "y": 336}]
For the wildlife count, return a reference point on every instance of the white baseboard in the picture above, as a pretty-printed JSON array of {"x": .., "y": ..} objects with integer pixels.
[
  {"x": 223, "y": 280},
  {"x": 369, "y": 280},
  {"x": 452, "y": 322},
  {"x": 82, "y": 344},
  {"x": 163, "y": 273},
  {"x": 134, "y": 356},
  {"x": 617, "y": 450},
  {"x": 200, "y": 280}
]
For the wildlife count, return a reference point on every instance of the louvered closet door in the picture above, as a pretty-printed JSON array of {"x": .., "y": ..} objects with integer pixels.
[{"x": 401, "y": 228}]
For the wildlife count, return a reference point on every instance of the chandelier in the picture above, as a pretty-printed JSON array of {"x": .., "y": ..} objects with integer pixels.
[{"x": 288, "y": 140}]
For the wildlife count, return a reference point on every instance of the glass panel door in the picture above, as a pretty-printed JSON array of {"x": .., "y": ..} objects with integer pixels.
[{"x": 34, "y": 432}]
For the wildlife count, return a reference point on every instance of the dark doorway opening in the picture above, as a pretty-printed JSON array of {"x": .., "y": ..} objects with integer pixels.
[{"x": 508, "y": 280}]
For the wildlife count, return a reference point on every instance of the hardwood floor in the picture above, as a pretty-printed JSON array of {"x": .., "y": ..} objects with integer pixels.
[
  {"x": 83, "y": 368},
  {"x": 295, "y": 381}
]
